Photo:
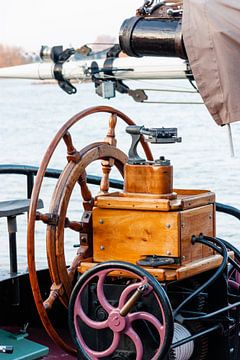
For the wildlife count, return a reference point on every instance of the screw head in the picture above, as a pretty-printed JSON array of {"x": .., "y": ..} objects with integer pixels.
[
  {"x": 102, "y": 247},
  {"x": 101, "y": 221}
]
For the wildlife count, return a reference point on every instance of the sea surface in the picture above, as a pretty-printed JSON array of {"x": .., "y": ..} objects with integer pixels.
[{"x": 31, "y": 113}]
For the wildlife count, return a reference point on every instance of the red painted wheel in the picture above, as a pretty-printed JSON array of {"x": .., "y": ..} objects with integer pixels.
[{"x": 117, "y": 307}]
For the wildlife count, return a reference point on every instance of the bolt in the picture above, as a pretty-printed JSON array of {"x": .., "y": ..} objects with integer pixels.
[
  {"x": 168, "y": 226},
  {"x": 102, "y": 247},
  {"x": 83, "y": 239},
  {"x": 101, "y": 221},
  {"x": 168, "y": 252}
]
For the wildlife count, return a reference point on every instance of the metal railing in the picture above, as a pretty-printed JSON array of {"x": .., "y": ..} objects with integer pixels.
[{"x": 31, "y": 171}]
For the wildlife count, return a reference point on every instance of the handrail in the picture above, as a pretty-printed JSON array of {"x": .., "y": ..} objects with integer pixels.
[{"x": 31, "y": 171}]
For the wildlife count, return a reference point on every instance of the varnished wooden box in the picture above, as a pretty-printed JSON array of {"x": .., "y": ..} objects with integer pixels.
[{"x": 127, "y": 228}]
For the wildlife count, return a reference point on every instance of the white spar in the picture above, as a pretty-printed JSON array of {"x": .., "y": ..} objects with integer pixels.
[{"x": 125, "y": 68}]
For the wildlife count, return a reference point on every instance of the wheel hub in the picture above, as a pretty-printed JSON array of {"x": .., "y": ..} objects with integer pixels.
[{"x": 116, "y": 322}]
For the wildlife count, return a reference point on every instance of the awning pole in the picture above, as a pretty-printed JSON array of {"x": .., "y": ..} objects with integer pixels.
[{"x": 231, "y": 140}]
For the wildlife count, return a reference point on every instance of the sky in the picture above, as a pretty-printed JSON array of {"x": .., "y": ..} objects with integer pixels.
[{"x": 32, "y": 23}]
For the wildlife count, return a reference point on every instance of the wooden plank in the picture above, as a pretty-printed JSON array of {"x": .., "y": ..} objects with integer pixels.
[
  {"x": 199, "y": 266},
  {"x": 191, "y": 192},
  {"x": 163, "y": 275},
  {"x": 189, "y": 199},
  {"x": 186, "y": 199},
  {"x": 136, "y": 203},
  {"x": 159, "y": 274},
  {"x": 195, "y": 222},
  {"x": 128, "y": 235}
]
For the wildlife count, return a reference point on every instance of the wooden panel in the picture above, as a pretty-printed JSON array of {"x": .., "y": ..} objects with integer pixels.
[
  {"x": 159, "y": 274},
  {"x": 150, "y": 179},
  {"x": 186, "y": 199},
  {"x": 195, "y": 222},
  {"x": 189, "y": 199},
  {"x": 199, "y": 266},
  {"x": 127, "y": 235},
  {"x": 137, "y": 203}
]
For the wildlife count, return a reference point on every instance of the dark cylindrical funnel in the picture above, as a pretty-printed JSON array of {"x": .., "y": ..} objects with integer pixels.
[{"x": 141, "y": 36}]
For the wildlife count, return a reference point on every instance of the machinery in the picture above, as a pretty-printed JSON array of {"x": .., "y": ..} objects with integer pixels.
[{"x": 150, "y": 280}]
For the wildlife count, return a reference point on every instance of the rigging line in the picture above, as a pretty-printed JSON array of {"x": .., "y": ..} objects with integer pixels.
[
  {"x": 153, "y": 82},
  {"x": 172, "y": 90},
  {"x": 176, "y": 90},
  {"x": 173, "y": 102}
]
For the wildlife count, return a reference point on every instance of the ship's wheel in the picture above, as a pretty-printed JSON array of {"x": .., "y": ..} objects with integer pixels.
[
  {"x": 74, "y": 174},
  {"x": 127, "y": 314}
]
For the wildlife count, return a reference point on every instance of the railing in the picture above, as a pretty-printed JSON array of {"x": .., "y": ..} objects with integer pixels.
[{"x": 31, "y": 171}]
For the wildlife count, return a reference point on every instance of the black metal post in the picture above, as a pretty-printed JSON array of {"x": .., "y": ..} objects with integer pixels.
[
  {"x": 30, "y": 183},
  {"x": 12, "y": 230}
]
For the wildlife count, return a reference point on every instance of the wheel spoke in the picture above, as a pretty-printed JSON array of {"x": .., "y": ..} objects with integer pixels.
[
  {"x": 108, "y": 164},
  {"x": 100, "y": 293},
  {"x": 95, "y": 355},
  {"x": 79, "y": 313},
  {"x": 106, "y": 169},
  {"x": 72, "y": 153},
  {"x": 85, "y": 192},
  {"x": 73, "y": 225},
  {"x": 137, "y": 342},
  {"x": 142, "y": 315}
]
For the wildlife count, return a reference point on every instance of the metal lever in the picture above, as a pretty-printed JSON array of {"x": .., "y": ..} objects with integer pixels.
[{"x": 135, "y": 132}]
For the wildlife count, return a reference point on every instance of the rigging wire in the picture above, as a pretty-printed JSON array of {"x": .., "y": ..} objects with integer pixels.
[{"x": 174, "y": 102}]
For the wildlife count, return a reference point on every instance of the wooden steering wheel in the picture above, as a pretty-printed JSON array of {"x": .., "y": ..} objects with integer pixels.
[{"x": 74, "y": 173}]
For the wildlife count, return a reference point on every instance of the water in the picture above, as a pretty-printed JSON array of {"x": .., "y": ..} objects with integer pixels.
[{"x": 31, "y": 114}]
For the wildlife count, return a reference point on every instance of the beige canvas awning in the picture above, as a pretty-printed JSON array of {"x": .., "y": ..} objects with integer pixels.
[{"x": 211, "y": 33}]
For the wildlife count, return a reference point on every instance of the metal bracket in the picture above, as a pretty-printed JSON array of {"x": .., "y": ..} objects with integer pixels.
[
  {"x": 107, "y": 87},
  {"x": 135, "y": 132},
  {"x": 59, "y": 57},
  {"x": 154, "y": 136}
]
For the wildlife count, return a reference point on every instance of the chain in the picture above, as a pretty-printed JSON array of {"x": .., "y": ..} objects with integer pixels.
[{"x": 148, "y": 6}]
